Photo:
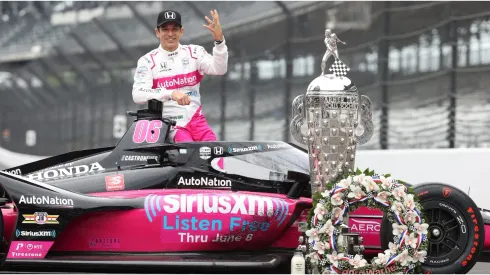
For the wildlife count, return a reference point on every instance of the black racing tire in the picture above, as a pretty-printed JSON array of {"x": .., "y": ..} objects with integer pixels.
[{"x": 451, "y": 212}]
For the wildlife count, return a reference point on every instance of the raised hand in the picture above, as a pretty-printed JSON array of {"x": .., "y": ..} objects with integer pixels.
[{"x": 214, "y": 26}]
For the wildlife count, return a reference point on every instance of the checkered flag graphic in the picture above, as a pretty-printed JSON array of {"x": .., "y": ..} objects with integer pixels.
[{"x": 338, "y": 68}]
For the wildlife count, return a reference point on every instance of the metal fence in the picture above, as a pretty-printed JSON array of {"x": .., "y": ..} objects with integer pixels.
[{"x": 423, "y": 64}]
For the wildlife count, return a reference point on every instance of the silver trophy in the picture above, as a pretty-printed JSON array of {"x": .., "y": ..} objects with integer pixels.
[{"x": 338, "y": 119}]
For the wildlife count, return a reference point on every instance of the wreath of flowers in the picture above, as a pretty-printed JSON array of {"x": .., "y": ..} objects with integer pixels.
[{"x": 326, "y": 252}]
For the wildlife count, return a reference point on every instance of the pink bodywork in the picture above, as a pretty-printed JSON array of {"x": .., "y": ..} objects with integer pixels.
[{"x": 217, "y": 223}]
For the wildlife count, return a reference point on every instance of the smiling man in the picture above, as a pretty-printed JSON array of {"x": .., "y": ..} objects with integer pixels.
[{"x": 172, "y": 74}]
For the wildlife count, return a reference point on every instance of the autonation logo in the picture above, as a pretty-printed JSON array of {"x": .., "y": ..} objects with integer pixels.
[
  {"x": 46, "y": 200},
  {"x": 25, "y": 233},
  {"x": 204, "y": 181}
]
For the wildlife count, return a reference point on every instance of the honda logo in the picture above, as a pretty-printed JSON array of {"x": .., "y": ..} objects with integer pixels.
[
  {"x": 170, "y": 15},
  {"x": 218, "y": 151}
]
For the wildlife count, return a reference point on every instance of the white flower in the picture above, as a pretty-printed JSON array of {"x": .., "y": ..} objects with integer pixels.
[
  {"x": 370, "y": 184},
  {"x": 320, "y": 211},
  {"x": 386, "y": 183},
  {"x": 344, "y": 183},
  {"x": 337, "y": 212},
  {"x": 410, "y": 217},
  {"x": 399, "y": 193},
  {"x": 421, "y": 228},
  {"x": 314, "y": 258},
  {"x": 419, "y": 256},
  {"x": 403, "y": 258},
  {"x": 398, "y": 207},
  {"x": 382, "y": 259},
  {"x": 326, "y": 194},
  {"x": 411, "y": 240},
  {"x": 312, "y": 235},
  {"x": 359, "y": 178},
  {"x": 356, "y": 192},
  {"x": 320, "y": 247},
  {"x": 334, "y": 258},
  {"x": 391, "y": 250},
  {"x": 358, "y": 262},
  {"x": 398, "y": 229},
  {"x": 327, "y": 228},
  {"x": 383, "y": 196},
  {"x": 337, "y": 198},
  {"x": 409, "y": 202}
]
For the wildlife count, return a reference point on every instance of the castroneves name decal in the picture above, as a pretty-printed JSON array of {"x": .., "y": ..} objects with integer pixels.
[
  {"x": 233, "y": 204},
  {"x": 67, "y": 171},
  {"x": 45, "y": 200},
  {"x": 204, "y": 181},
  {"x": 138, "y": 158}
]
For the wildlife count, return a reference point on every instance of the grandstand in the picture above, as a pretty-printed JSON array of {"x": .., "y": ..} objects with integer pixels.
[{"x": 66, "y": 68}]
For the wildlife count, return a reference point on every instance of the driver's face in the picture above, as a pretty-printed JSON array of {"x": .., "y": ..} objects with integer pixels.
[{"x": 169, "y": 35}]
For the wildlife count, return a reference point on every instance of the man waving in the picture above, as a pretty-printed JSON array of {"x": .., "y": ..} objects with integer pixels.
[{"x": 172, "y": 74}]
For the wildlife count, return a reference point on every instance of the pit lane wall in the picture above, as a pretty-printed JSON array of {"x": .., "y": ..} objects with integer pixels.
[{"x": 465, "y": 168}]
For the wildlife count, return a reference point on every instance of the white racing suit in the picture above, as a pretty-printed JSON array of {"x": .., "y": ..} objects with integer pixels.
[{"x": 160, "y": 72}]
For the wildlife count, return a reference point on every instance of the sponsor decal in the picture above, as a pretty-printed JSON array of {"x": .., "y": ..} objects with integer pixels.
[
  {"x": 66, "y": 171},
  {"x": 185, "y": 61},
  {"x": 204, "y": 181},
  {"x": 218, "y": 151},
  {"x": 147, "y": 131},
  {"x": 182, "y": 151},
  {"x": 137, "y": 158},
  {"x": 192, "y": 93},
  {"x": 446, "y": 192},
  {"x": 164, "y": 67},
  {"x": 147, "y": 59},
  {"x": 142, "y": 70},
  {"x": 216, "y": 218},
  {"x": 29, "y": 249},
  {"x": 40, "y": 218},
  {"x": 245, "y": 149},
  {"x": 174, "y": 53},
  {"x": 205, "y": 152},
  {"x": 233, "y": 204},
  {"x": 218, "y": 164},
  {"x": 364, "y": 226},
  {"x": 14, "y": 171},
  {"x": 114, "y": 182},
  {"x": 45, "y": 200},
  {"x": 476, "y": 236},
  {"x": 31, "y": 233},
  {"x": 104, "y": 243},
  {"x": 277, "y": 146},
  {"x": 276, "y": 176},
  {"x": 177, "y": 117},
  {"x": 178, "y": 81}
]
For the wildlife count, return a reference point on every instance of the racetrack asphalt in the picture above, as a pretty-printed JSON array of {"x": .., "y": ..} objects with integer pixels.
[{"x": 479, "y": 268}]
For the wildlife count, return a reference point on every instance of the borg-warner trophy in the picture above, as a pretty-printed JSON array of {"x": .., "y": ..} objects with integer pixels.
[{"x": 337, "y": 119}]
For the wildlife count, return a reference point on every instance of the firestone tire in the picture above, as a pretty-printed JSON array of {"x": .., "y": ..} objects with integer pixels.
[{"x": 456, "y": 229}]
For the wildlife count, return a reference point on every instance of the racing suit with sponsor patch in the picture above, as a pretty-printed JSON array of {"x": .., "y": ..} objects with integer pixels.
[{"x": 160, "y": 72}]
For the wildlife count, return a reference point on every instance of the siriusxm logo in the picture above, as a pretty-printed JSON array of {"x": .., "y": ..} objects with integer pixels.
[
  {"x": 245, "y": 149},
  {"x": 222, "y": 204},
  {"x": 47, "y": 233}
]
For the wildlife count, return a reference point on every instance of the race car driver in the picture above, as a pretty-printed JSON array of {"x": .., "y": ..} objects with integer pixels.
[{"x": 172, "y": 74}]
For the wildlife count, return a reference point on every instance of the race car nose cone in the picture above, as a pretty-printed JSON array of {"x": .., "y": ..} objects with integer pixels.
[{"x": 436, "y": 232}]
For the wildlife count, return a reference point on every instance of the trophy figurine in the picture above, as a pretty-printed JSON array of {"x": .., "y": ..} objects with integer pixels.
[
  {"x": 331, "y": 44},
  {"x": 338, "y": 119}
]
